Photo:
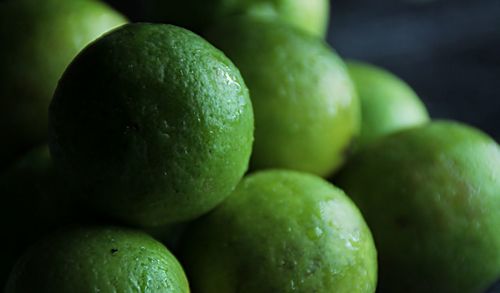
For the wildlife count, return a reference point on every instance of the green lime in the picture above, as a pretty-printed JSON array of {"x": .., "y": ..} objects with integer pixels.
[
  {"x": 431, "y": 196},
  {"x": 281, "y": 231},
  {"x": 388, "y": 104},
  {"x": 38, "y": 40},
  {"x": 309, "y": 15},
  {"x": 153, "y": 123},
  {"x": 306, "y": 109},
  {"x": 33, "y": 202},
  {"x": 97, "y": 259}
]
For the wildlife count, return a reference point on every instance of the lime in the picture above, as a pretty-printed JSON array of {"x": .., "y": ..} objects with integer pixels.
[
  {"x": 388, "y": 104},
  {"x": 97, "y": 259},
  {"x": 38, "y": 40},
  {"x": 33, "y": 202},
  {"x": 431, "y": 196},
  {"x": 281, "y": 231},
  {"x": 306, "y": 110},
  {"x": 309, "y": 15},
  {"x": 153, "y": 123}
]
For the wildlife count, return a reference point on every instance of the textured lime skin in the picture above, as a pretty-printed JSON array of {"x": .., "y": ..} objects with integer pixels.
[
  {"x": 38, "y": 40},
  {"x": 33, "y": 202},
  {"x": 309, "y": 15},
  {"x": 153, "y": 123},
  {"x": 281, "y": 231},
  {"x": 306, "y": 109},
  {"x": 431, "y": 196},
  {"x": 98, "y": 259},
  {"x": 388, "y": 104}
]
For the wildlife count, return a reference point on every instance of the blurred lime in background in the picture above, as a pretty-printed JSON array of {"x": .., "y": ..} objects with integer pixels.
[
  {"x": 388, "y": 104},
  {"x": 97, "y": 259},
  {"x": 306, "y": 109},
  {"x": 309, "y": 15},
  {"x": 38, "y": 40},
  {"x": 34, "y": 202},
  {"x": 430, "y": 195}
]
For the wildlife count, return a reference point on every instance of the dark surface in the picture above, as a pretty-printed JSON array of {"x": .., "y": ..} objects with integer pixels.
[{"x": 447, "y": 50}]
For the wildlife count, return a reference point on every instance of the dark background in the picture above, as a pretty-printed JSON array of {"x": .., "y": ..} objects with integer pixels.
[{"x": 447, "y": 50}]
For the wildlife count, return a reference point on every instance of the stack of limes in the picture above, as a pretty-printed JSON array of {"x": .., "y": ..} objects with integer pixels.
[{"x": 219, "y": 148}]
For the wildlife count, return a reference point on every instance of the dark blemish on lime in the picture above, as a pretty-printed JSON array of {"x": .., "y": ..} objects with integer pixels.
[{"x": 114, "y": 251}]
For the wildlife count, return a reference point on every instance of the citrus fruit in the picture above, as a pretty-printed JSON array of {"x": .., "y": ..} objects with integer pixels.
[
  {"x": 306, "y": 109},
  {"x": 309, "y": 15},
  {"x": 33, "y": 203},
  {"x": 153, "y": 123},
  {"x": 431, "y": 196},
  {"x": 38, "y": 40},
  {"x": 388, "y": 104},
  {"x": 97, "y": 259},
  {"x": 281, "y": 231}
]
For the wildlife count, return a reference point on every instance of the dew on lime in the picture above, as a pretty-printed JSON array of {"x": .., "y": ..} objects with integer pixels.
[
  {"x": 281, "y": 231},
  {"x": 306, "y": 109},
  {"x": 153, "y": 124},
  {"x": 97, "y": 259},
  {"x": 309, "y": 15}
]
